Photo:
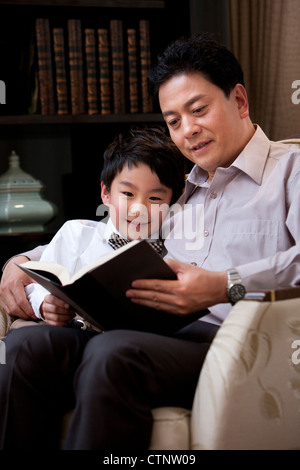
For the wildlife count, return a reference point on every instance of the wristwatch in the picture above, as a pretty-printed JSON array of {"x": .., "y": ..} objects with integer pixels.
[{"x": 235, "y": 289}]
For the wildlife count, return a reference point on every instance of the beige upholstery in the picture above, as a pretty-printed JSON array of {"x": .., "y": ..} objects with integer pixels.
[{"x": 248, "y": 395}]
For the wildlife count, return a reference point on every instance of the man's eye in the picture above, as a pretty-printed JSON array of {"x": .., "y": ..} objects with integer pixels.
[
  {"x": 173, "y": 122},
  {"x": 199, "y": 110}
]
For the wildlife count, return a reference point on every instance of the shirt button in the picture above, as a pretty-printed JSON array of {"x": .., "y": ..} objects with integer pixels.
[
  {"x": 213, "y": 195},
  {"x": 193, "y": 263},
  {"x": 206, "y": 233}
]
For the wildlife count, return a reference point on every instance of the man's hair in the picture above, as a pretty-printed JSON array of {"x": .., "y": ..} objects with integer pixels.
[
  {"x": 197, "y": 53},
  {"x": 149, "y": 145}
]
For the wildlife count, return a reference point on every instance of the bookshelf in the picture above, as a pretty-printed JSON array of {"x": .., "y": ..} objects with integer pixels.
[{"x": 64, "y": 150}]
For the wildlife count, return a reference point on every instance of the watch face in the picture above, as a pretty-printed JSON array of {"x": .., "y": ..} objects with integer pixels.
[{"x": 237, "y": 292}]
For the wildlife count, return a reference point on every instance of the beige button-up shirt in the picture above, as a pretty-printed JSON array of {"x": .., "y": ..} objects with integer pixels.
[{"x": 249, "y": 218}]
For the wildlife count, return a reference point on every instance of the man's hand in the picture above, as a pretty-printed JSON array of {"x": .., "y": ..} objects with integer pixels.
[
  {"x": 195, "y": 289},
  {"x": 55, "y": 311},
  {"x": 12, "y": 293}
]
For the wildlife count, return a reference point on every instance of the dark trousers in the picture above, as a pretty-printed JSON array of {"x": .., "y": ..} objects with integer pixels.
[{"x": 112, "y": 380}]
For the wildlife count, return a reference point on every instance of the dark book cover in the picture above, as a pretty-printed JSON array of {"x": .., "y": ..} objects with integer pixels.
[
  {"x": 91, "y": 71},
  {"x": 145, "y": 58},
  {"x": 98, "y": 295},
  {"x": 118, "y": 66},
  {"x": 77, "y": 88},
  {"x": 45, "y": 66},
  {"x": 104, "y": 71},
  {"x": 132, "y": 71},
  {"x": 60, "y": 71}
]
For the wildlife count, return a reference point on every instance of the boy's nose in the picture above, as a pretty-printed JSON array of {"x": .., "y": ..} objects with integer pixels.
[{"x": 138, "y": 209}]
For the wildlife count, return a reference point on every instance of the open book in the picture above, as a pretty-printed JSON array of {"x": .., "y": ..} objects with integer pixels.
[{"x": 97, "y": 292}]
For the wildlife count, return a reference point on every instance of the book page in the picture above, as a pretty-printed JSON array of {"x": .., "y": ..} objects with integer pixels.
[
  {"x": 64, "y": 276},
  {"x": 57, "y": 269}
]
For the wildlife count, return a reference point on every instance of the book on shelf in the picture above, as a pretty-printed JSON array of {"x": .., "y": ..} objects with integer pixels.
[
  {"x": 91, "y": 71},
  {"x": 61, "y": 82},
  {"x": 32, "y": 77},
  {"x": 104, "y": 71},
  {"x": 118, "y": 66},
  {"x": 145, "y": 58},
  {"x": 132, "y": 71},
  {"x": 45, "y": 67},
  {"x": 77, "y": 84},
  {"x": 97, "y": 292}
]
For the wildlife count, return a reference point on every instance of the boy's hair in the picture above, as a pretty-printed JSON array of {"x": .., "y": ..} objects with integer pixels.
[
  {"x": 197, "y": 53},
  {"x": 149, "y": 145}
]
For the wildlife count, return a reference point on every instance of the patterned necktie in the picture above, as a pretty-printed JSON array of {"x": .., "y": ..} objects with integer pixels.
[{"x": 116, "y": 241}]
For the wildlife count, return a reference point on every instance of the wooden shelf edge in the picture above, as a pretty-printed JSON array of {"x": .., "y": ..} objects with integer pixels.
[
  {"x": 89, "y": 3},
  {"x": 36, "y": 119}
]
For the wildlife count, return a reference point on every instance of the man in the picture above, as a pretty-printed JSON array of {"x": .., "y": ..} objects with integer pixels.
[{"x": 248, "y": 187}]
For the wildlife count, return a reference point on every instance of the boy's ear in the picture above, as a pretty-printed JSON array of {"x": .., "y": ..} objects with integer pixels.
[{"x": 104, "y": 194}]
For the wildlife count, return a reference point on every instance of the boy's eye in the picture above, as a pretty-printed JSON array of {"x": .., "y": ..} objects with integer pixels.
[
  {"x": 155, "y": 198},
  {"x": 127, "y": 193}
]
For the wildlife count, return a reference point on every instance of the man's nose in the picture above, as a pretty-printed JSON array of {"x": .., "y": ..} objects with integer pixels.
[{"x": 190, "y": 127}]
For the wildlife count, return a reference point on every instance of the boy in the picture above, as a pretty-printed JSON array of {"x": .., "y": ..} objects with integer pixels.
[{"x": 143, "y": 173}]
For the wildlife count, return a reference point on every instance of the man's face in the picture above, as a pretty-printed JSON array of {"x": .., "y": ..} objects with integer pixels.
[
  {"x": 207, "y": 127},
  {"x": 138, "y": 201}
]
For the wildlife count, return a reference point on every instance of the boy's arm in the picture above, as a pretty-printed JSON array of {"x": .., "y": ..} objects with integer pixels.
[{"x": 13, "y": 282}]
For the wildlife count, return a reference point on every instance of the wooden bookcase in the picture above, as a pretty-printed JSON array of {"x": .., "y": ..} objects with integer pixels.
[{"x": 65, "y": 151}]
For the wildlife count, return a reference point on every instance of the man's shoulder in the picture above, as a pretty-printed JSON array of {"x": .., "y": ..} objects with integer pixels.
[{"x": 285, "y": 150}]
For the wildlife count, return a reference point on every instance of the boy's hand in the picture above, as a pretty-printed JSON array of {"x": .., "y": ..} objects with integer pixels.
[
  {"x": 55, "y": 311},
  {"x": 195, "y": 289},
  {"x": 12, "y": 293}
]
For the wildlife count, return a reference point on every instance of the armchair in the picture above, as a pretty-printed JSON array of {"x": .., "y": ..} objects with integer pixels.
[{"x": 248, "y": 394}]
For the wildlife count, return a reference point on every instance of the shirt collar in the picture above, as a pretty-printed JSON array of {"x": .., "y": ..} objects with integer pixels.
[
  {"x": 251, "y": 161},
  {"x": 110, "y": 229}
]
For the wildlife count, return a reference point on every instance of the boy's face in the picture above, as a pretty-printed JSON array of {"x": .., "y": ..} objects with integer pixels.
[{"x": 138, "y": 201}]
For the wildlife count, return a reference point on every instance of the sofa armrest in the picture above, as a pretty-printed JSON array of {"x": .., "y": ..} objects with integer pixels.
[
  {"x": 248, "y": 394},
  {"x": 5, "y": 322}
]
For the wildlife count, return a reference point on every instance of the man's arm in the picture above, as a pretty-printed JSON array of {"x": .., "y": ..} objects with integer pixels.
[
  {"x": 13, "y": 282},
  {"x": 195, "y": 289}
]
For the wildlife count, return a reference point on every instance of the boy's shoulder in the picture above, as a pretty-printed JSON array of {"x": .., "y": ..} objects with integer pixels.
[
  {"x": 77, "y": 228},
  {"x": 79, "y": 224}
]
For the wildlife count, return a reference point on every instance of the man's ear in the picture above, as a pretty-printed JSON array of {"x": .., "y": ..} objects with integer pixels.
[
  {"x": 241, "y": 98},
  {"x": 105, "y": 194}
]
